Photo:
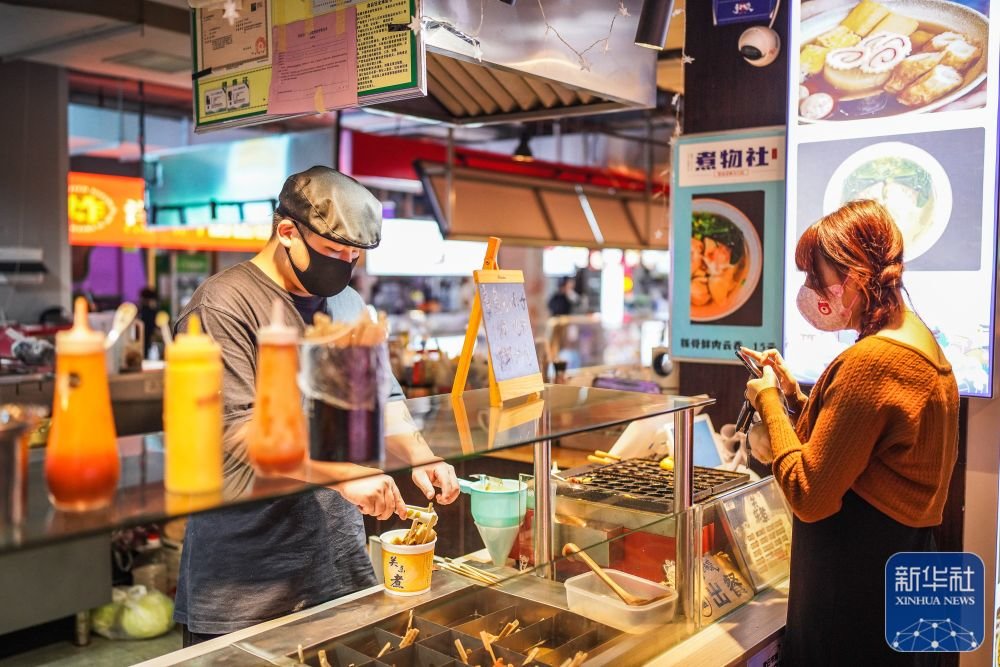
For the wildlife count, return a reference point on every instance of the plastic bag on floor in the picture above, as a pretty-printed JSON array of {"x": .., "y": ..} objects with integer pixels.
[{"x": 134, "y": 613}]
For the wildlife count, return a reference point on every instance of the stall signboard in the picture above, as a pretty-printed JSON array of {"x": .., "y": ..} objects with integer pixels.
[
  {"x": 897, "y": 102},
  {"x": 727, "y": 12},
  {"x": 728, "y": 202},
  {"x": 282, "y": 58},
  {"x": 109, "y": 211}
]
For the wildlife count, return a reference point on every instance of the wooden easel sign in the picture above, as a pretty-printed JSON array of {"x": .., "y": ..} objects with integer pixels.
[{"x": 508, "y": 333}]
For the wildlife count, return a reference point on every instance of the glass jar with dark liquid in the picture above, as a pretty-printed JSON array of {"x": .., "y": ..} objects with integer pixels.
[{"x": 345, "y": 390}]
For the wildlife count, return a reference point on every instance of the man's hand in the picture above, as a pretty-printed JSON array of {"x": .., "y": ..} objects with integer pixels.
[
  {"x": 375, "y": 495},
  {"x": 439, "y": 474}
]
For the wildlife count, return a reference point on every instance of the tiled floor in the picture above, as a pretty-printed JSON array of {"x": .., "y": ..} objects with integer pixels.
[{"x": 100, "y": 652}]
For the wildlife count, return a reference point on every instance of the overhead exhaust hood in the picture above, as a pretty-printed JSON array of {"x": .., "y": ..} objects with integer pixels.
[
  {"x": 525, "y": 63},
  {"x": 538, "y": 208}
]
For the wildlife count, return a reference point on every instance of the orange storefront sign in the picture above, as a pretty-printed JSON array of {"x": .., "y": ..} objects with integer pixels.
[{"x": 109, "y": 210}]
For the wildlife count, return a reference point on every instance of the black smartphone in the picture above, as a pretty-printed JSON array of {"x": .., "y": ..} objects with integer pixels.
[{"x": 749, "y": 363}]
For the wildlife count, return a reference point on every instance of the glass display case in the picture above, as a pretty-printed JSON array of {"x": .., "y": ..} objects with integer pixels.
[{"x": 696, "y": 543}]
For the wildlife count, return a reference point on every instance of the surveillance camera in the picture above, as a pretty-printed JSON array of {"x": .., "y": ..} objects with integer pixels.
[{"x": 759, "y": 46}]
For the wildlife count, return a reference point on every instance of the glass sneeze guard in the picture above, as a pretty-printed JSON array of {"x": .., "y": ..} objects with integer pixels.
[{"x": 454, "y": 431}]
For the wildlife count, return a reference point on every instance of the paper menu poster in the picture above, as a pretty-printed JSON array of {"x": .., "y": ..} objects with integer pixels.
[{"x": 315, "y": 66}]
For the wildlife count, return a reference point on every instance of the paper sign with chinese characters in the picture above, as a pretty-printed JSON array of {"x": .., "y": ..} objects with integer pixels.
[{"x": 727, "y": 237}]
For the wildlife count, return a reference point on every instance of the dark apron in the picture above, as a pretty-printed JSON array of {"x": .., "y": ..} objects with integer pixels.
[{"x": 836, "y": 598}]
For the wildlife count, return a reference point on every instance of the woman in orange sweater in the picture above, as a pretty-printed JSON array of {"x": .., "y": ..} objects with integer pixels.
[{"x": 867, "y": 462}]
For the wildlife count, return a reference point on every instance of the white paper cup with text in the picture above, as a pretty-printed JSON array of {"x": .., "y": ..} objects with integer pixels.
[{"x": 406, "y": 568}]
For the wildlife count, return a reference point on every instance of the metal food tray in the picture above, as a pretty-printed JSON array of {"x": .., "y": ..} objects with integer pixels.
[
  {"x": 462, "y": 616},
  {"x": 643, "y": 485}
]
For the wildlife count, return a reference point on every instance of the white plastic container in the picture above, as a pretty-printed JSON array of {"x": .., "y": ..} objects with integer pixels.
[{"x": 590, "y": 597}]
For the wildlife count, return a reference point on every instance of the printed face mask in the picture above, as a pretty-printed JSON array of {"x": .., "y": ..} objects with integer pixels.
[
  {"x": 825, "y": 313},
  {"x": 325, "y": 276}
]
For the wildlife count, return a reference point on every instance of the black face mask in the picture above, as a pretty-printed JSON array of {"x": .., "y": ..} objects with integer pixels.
[{"x": 325, "y": 276}]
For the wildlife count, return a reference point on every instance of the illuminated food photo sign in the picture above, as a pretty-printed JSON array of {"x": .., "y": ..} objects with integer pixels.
[
  {"x": 728, "y": 219},
  {"x": 109, "y": 211},
  {"x": 896, "y": 101}
]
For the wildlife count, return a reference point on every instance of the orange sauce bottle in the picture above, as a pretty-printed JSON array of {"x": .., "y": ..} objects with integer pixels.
[
  {"x": 192, "y": 413},
  {"x": 276, "y": 439},
  {"x": 81, "y": 459}
]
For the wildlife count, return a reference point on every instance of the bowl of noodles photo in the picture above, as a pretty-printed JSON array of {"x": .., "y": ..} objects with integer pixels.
[
  {"x": 907, "y": 180},
  {"x": 725, "y": 259},
  {"x": 875, "y": 59}
]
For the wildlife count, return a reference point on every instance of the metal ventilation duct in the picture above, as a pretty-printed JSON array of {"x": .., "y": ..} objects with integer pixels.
[
  {"x": 526, "y": 71},
  {"x": 474, "y": 204}
]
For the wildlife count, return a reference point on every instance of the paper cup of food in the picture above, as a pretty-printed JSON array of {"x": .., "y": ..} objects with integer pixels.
[{"x": 406, "y": 568}]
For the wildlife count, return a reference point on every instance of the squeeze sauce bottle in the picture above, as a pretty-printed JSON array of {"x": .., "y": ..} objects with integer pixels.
[
  {"x": 192, "y": 413},
  {"x": 277, "y": 436},
  {"x": 81, "y": 459}
]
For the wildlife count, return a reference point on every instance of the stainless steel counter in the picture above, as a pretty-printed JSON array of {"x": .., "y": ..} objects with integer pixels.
[{"x": 275, "y": 641}]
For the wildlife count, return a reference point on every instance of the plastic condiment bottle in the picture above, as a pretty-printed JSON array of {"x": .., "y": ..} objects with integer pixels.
[
  {"x": 192, "y": 413},
  {"x": 81, "y": 460},
  {"x": 277, "y": 439}
]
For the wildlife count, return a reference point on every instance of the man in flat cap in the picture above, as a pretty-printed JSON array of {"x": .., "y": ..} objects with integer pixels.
[{"x": 244, "y": 565}]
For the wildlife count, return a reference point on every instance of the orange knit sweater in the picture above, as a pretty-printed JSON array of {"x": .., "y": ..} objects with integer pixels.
[{"x": 881, "y": 421}]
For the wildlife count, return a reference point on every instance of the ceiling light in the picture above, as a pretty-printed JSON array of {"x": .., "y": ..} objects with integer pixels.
[
  {"x": 156, "y": 61},
  {"x": 654, "y": 21},
  {"x": 523, "y": 151}
]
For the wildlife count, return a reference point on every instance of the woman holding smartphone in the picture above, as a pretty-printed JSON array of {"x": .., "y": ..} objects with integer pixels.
[{"x": 867, "y": 462}]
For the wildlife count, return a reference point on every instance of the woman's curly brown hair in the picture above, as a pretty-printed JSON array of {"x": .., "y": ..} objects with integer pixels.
[{"x": 861, "y": 240}]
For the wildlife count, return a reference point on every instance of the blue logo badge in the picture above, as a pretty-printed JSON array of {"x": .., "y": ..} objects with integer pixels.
[{"x": 935, "y": 602}]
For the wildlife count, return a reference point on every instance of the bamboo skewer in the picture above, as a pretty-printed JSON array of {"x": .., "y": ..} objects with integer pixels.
[
  {"x": 508, "y": 629},
  {"x": 576, "y": 660},
  {"x": 302, "y": 657},
  {"x": 323, "y": 662},
  {"x": 531, "y": 656},
  {"x": 385, "y": 649},
  {"x": 485, "y": 636},
  {"x": 411, "y": 636},
  {"x": 461, "y": 651},
  {"x": 409, "y": 624}
]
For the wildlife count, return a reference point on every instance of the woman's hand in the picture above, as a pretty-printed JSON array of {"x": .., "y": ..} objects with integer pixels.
[
  {"x": 754, "y": 387},
  {"x": 439, "y": 474},
  {"x": 375, "y": 495},
  {"x": 760, "y": 443},
  {"x": 772, "y": 359}
]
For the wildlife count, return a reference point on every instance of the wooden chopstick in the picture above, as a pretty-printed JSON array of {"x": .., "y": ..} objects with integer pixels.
[
  {"x": 323, "y": 662},
  {"x": 531, "y": 656},
  {"x": 461, "y": 651},
  {"x": 385, "y": 649},
  {"x": 302, "y": 656}
]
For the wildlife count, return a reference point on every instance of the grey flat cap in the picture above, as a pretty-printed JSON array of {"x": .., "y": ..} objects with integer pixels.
[{"x": 333, "y": 205}]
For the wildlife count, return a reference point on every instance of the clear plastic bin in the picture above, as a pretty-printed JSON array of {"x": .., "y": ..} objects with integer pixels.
[{"x": 590, "y": 597}]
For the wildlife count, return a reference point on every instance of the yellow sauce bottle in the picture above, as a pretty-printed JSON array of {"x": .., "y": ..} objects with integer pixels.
[
  {"x": 192, "y": 413},
  {"x": 277, "y": 439},
  {"x": 81, "y": 458}
]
